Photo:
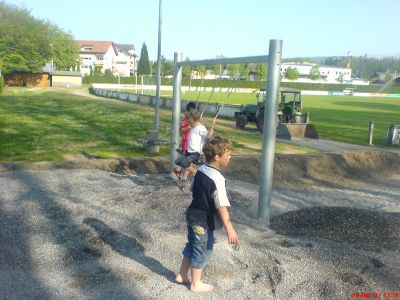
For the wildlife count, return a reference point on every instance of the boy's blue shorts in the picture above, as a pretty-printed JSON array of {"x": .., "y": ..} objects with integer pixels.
[
  {"x": 187, "y": 159},
  {"x": 199, "y": 246}
]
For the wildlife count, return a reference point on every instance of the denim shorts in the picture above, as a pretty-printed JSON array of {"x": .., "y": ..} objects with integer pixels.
[
  {"x": 199, "y": 246},
  {"x": 187, "y": 159}
]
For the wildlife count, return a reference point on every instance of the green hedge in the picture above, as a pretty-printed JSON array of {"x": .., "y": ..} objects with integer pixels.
[
  {"x": 395, "y": 89},
  {"x": 1, "y": 84}
]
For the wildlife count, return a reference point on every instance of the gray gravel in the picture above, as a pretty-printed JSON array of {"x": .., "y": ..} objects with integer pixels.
[{"x": 91, "y": 234}]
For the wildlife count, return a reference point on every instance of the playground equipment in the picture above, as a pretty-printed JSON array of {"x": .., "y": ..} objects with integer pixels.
[
  {"x": 292, "y": 122},
  {"x": 268, "y": 149},
  {"x": 153, "y": 141}
]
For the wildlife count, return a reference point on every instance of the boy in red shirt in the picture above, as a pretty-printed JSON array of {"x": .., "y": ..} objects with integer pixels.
[{"x": 184, "y": 129}]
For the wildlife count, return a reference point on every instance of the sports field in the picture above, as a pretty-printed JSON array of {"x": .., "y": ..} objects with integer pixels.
[{"x": 341, "y": 118}]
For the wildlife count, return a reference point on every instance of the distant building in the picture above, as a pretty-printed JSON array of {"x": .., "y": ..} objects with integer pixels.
[
  {"x": 328, "y": 73},
  {"x": 384, "y": 77},
  {"x": 28, "y": 79},
  {"x": 102, "y": 55},
  {"x": 67, "y": 79}
]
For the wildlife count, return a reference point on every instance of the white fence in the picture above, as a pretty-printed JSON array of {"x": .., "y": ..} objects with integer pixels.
[{"x": 228, "y": 110}]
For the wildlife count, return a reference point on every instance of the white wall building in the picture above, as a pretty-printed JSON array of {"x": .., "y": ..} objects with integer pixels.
[
  {"x": 328, "y": 73},
  {"x": 103, "y": 55}
]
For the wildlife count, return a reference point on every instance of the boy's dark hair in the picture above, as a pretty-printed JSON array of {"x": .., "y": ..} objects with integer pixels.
[
  {"x": 195, "y": 115},
  {"x": 190, "y": 105},
  {"x": 216, "y": 146}
]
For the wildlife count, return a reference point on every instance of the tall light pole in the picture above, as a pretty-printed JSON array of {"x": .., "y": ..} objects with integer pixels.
[
  {"x": 52, "y": 58},
  {"x": 158, "y": 67}
]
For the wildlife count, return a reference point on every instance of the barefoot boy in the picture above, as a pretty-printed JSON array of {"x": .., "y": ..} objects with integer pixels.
[{"x": 209, "y": 208}]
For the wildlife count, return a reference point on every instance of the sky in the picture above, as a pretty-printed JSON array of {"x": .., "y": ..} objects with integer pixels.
[{"x": 204, "y": 29}]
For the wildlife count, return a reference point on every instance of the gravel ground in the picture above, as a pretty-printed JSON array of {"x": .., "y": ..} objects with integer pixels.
[{"x": 92, "y": 234}]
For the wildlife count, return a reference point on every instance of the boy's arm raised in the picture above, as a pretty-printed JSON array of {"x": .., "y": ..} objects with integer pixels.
[{"x": 230, "y": 231}]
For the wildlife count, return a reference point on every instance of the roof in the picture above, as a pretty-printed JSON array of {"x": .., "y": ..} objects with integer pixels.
[
  {"x": 284, "y": 90},
  {"x": 125, "y": 47},
  {"x": 298, "y": 64},
  {"x": 302, "y": 64},
  {"x": 96, "y": 46},
  {"x": 65, "y": 73}
]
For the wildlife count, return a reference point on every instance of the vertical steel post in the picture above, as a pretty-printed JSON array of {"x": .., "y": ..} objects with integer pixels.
[
  {"x": 156, "y": 118},
  {"x": 370, "y": 132},
  {"x": 269, "y": 129},
  {"x": 176, "y": 108}
]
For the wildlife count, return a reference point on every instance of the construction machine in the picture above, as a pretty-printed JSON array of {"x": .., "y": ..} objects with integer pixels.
[{"x": 292, "y": 122}]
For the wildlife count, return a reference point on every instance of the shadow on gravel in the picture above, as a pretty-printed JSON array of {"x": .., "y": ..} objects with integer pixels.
[
  {"x": 18, "y": 278},
  {"x": 365, "y": 229},
  {"x": 128, "y": 247},
  {"x": 55, "y": 225}
]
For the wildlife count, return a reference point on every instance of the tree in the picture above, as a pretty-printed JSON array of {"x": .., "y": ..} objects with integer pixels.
[
  {"x": 64, "y": 52},
  {"x": 292, "y": 73},
  {"x": 315, "y": 74},
  {"x": 234, "y": 70},
  {"x": 27, "y": 44},
  {"x": 144, "y": 63},
  {"x": 218, "y": 69},
  {"x": 167, "y": 67},
  {"x": 187, "y": 70},
  {"x": 108, "y": 73},
  {"x": 262, "y": 71}
]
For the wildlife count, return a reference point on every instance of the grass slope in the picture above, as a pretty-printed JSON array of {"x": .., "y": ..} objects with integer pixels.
[{"x": 47, "y": 124}]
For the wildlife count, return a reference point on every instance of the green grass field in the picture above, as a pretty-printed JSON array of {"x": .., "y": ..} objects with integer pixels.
[
  {"x": 341, "y": 118},
  {"x": 47, "y": 124},
  {"x": 346, "y": 118}
]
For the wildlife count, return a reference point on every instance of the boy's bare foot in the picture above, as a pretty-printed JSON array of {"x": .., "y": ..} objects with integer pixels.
[
  {"x": 201, "y": 287},
  {"x": 182, "y": 280}
]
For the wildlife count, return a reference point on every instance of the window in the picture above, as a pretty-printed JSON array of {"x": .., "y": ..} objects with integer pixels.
[{"x": 87, "y": 48}]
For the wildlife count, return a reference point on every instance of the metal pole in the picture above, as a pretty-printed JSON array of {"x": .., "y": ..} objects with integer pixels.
[
  {"x": 158, "y": 67},
  {"x": 269, "y": 137},
  {"x": 225, "y": 61},
  {"x": 370, "y": 132},
  {"x": 136, "y": 82},
  {"x": 176, "y": 107}
]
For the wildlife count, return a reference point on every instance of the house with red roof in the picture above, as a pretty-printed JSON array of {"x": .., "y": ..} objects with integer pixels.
[{"x": 106, "y": 55}]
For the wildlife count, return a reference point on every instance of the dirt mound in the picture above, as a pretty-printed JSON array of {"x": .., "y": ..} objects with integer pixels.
[
  {"x": 327, "y": 169},
  {"x": 290, "y": 170}
]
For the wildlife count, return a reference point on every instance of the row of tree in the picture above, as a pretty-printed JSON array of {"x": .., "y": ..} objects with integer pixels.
[
  {"x": 145, "y": 67},
  {"x": 28, "y": 44},
  {"x": 362, "y": 67}
]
